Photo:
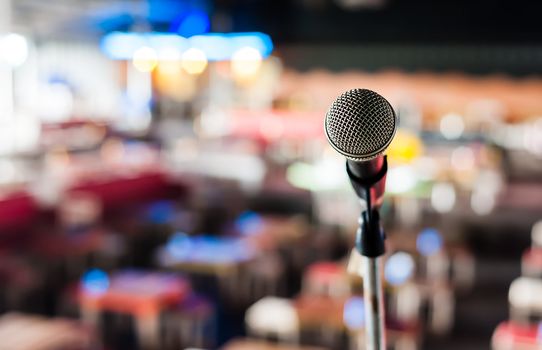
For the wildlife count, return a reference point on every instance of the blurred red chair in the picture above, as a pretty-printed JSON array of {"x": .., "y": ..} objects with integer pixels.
[
  {"x": 119, "y": 193},
  {"x": 327, "y": 279},
  {"x": 18, "y": 213},
  {"x": 512, "y": 336}
]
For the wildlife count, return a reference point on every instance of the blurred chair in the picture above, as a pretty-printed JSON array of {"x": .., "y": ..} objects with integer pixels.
[
  {"x": 404, "y": 295},
  {"x": 512, "y": 336},
  {"x": 191, "y": 324},
  {"x": 441, "y": 309},
  {"x": 18, "y": 213},
  {"x": 273, "y": 316},
  {"x": 463, "y": 269},
  {"x": 141, "y": 294},
  {"x": 21, "y": 284},
  {"x": 327, "y": 279},
  {"x": 263, "y": 276}
]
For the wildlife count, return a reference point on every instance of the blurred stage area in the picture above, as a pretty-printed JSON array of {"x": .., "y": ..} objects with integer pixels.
[{"x": 165, "y": 181}]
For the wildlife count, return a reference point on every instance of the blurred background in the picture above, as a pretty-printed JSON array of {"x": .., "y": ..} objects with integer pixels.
[{"x": 165, "y": 181}]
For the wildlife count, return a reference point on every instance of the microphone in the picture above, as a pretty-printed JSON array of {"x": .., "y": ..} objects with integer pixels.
[{"x": 360, "y": 125}]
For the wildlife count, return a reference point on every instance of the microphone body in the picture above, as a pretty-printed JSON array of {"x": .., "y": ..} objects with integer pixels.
[{"x": 371, "y": 172}]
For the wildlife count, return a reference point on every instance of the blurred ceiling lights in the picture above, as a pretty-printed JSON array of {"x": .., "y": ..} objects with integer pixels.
[{"x": 215, "y": 46}]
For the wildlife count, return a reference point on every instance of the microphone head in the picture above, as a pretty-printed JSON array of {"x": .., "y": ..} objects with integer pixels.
[{"x": 360, "y": 124}]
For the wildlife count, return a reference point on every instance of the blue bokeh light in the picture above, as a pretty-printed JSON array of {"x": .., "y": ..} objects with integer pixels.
[
  {"x": 195, "y": 22},
  {"x": 354, "y": 313},
  {"x": 399, "y": 268},
  {"x": 429, "y": 242},
  {"x": 161, "y": 212},
  {"x": 179, "y": 245},
  {"x": 95, "y": 281},
  {"x": 249, "y": 223}
]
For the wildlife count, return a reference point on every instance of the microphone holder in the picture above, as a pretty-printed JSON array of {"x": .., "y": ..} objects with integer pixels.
[{"x": 370, "y": 245}]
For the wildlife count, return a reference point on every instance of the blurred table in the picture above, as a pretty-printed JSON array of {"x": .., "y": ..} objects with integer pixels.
[
  {"x": 266, "y": 232},
  {"x": 143, "y": 295},
  {"x": 221, "y": 257},
  {"x": 511, "y": 336},
  {"x": 216, "y": 255},
  {"x": 249, "y": 344},
  {"x": 26, "y": 332},
  {"x": 205, "y": 254}
]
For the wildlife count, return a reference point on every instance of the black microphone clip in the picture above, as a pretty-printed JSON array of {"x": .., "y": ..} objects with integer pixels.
[{"x": 370, "y": 235}]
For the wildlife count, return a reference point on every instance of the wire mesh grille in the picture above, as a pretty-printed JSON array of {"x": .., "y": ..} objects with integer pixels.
[{"x": 360, "y": 124}]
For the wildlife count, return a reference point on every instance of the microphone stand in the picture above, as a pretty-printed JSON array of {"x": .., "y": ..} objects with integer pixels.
[{"x": 370, "y": 244}]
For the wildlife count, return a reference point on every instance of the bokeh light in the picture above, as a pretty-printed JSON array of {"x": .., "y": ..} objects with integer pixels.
[
  {"x": 462, "y": 158},
  {"x": 400, "y": 179},
  {"x": 194, "y": 61},
  {"x": 145, "y": 59},
  {"x": 179, "y": 245},
  {"x": 95, "y": 281},
  {"x": 13, "y": 49},
  {"x": 482, "y": 202},
  {"x": 405, "y": 147},
  {"x": 245, "y": 63},
  {"x": 443, "y": 197},
  {"x": 194, "y": 23},
  {"x": 354, "y": 313},
  {"x": 399, "y": 268},
  {"x": 429, "y": 242},
  {"x": 249, "y": 223},
  {"x": 452, "y": 126}
]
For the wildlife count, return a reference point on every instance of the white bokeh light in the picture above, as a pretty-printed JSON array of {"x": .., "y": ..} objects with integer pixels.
[
  {"x": 400, "y": 179},
  {"x": 194, "y": 61},
  {"x": 145, "y": 59},
  {"x": 246, "y": 62},
  {"x": 13, "y": 49},
  {"x": 443, "y": 197},
  {"x": 482, "y": 202},
  {"x": 462, "y": 158},
  {"x": 452, "y": 126}
]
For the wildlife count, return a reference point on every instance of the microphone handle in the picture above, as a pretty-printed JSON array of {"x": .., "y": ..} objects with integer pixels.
[{"x": 369, "y": 174}]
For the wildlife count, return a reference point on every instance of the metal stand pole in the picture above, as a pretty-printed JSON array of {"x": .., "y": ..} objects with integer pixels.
[
  {"x": 375, "y": 338},
  {"x": 370, "y": 245}
]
